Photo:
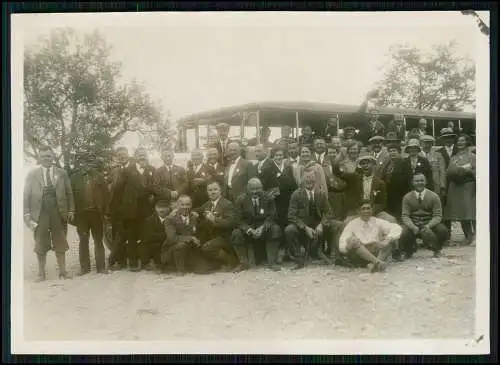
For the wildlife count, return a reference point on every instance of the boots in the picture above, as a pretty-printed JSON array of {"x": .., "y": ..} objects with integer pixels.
[{"x": 61, "y": 263}]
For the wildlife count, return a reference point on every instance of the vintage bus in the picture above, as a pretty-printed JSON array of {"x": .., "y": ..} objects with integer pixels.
[{"x": 198, "y": 130}]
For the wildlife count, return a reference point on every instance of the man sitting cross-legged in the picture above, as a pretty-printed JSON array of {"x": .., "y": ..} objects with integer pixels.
[
  {"x": 421, "y": 217},
  {"x": 217, "y": 220},
  {"x": 153, "y": 235},
  {"x": 311, "y": 224},
  {"x": 181, "y": 249},
  {"x": 368, "y": 240},
  {"x": 257, "y": 218}
]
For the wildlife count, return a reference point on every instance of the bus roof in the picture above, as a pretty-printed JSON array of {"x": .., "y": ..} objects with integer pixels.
[{"x": 313, "y": 107}]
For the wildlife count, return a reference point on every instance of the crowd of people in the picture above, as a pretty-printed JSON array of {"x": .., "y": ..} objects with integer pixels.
[{"x": 362, "y": 198}]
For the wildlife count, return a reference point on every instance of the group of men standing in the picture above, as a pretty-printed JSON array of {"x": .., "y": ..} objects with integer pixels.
[{"x": 323, "y": 197}]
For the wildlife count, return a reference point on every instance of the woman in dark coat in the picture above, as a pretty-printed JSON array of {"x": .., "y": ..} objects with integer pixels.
[{"x": 277, "y": 180}]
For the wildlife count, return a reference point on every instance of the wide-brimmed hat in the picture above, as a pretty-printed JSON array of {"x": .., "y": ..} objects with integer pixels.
[
  {"x": 427, "y": 138},
  {"x": 412, "y": 143},
  {"x": 376, "y": 139},
  {"x": 447, "y": 132},
  {"x": 365, "y": 155}
]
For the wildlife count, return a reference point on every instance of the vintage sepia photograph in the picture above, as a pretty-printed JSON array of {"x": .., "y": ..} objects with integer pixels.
[{"x": 250, "y": 182}]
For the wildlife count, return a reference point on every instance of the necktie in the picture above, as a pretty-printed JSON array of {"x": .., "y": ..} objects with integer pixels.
[
  {"x": 311, "y": 201},
  {"x": 213, "y": 207},
  {"x": 255, "y": 206},
  {"x": 47, "y": 177},
  {"x": 419, "y": 198}
]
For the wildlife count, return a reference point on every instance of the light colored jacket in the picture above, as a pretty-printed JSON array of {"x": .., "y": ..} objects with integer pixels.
[
  {"x": 438, "y": 169},
  {"x": 33, "y": 193}
]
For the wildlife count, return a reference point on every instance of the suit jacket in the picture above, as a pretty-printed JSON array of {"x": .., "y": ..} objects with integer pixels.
[
  {"x": 400, "y": 132},
  {"x": 222, "y": 148},
  {"x": 99, "y": 193},
  {"x": 334, "y": 183},
  {"x": 198, "y": 190},
  {"x": 33, "y": 193},
  {"x": 153, "y": 231},
  {"x": 438, "y": 166},
  {"x": 241, "y": 175},
  {"x": 298, "y": 212},
  {"x": 354, "y": 194},
  {"x": 423, "y": 166},
  {"x": 396, "y": 183},
  {"x": 165, "y": 182},
  {"x": 179, "y": 232},
  {"x": 225, "y": 219},
  {"x": 132, "y": 192},
  {"x": 260, "y": 173},
  {"x": 247, "y": 218},
  {"x": 381, "y": 158}
]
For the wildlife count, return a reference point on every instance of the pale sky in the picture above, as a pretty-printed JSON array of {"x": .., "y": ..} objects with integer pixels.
[{"x": 194, "y": 62}]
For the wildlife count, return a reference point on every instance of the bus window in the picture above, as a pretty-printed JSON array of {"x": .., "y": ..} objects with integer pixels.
[{"x": 190, "y": 139}]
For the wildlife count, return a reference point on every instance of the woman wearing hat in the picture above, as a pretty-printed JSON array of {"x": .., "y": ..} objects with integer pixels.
[
  {"x": 307, "y": 162},
  {"x": 461, "y": 203},
  {"x": 414, "y": 164}
]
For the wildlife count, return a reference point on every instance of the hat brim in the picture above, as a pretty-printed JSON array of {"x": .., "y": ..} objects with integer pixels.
[
  {"x": 447, "y": 135},
  {"x": 366, "y": 158},
  {"x": 417, "y": 147}
]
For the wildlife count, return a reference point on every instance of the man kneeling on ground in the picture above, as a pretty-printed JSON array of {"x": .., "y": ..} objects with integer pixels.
[
  {"x": 421, "y": 217},
  {"x": 368, "y": 240},
  {"x": 181, "y": 249},
  {"x": 153, "y": 236}
]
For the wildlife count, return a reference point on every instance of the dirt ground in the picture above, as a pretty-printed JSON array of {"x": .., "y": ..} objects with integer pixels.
[{"x": 420, "y": 298}]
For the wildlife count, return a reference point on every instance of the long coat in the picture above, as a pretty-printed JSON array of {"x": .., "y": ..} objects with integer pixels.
[
  {"x": 132, "y": 193},
  {"x": 33, "y": 193},
  {"x": 396, "y": 185},
  {"x": 461, "y": 202}
]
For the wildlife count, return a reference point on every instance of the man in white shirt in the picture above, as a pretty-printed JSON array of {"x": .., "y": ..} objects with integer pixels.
[{"x": 367, "y": 240}]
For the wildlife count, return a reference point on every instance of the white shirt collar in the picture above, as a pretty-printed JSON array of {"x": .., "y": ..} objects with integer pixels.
[
  {"x": 423, "y": 193},
  {"x": 197, "y": 168},
  {"x": 215, "y": 202},
  {"x": 139, "y": 168},
  {"x": 449, "y": 149}
]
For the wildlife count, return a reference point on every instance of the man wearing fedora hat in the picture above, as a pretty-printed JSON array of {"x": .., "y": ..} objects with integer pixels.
[
  {"x": 437, "y": 164},
  {"x": 415, "y": 163}
]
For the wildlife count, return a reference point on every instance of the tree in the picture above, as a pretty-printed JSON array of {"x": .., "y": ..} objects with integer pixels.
[
  {"x": 434, "y": 80},
  {"x": 74, "y": 100},
  {"x": 160, "y": 136},
  {"x": 481, "y": 25}
]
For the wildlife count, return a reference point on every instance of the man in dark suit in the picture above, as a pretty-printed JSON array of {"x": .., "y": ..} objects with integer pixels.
[
  {"x": 198, "y": 175},
  {"x": 237, "y": 172},
  {"x": 320, "y": 151},
  {"x": 170, "y": 180},
  {"x": 366, "y": 186},
  {"x": 397, "y": 127},
  {"x": 153, "y": 236},
  {"x": 133, "y": 197},
  {"x": 263, "y": 161},
  {"x": 48, "y": 207},
  {"x": 217, "y": 220},
  {"x": 415, "y": 163},
  {"x": 182, "y": 249},
  {"x": 91, "y": 205},
  {"x": 222, "y": 142},
  {"x": 374, "y": 127},
  {"x": 311, "y": 224},
  {"x": 257, "y": 228},
  {"x": 117, "y": 229},
  {"x": 217, "y": 167}
]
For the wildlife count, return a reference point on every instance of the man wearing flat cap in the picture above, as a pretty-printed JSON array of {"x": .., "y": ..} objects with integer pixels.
[
  {"x": 379, "y": 152},
  {"x": 437, "y": 162}
]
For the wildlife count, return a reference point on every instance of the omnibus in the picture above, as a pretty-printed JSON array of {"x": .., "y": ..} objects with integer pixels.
[{"x": 198, "y": 130}]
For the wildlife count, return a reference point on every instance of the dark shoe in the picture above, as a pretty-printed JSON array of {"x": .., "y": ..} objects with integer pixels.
[
  {"x": 240, "y": 268},
  {"x": 83, "y": 272},
  {"x": 103, "y": 271},
  {"x": 148, "y": 267},
  {"x": 135, "y": 268},
  {"x": 437, "y": 254},
  {"x": 275, "y": 267},
  {"x": 64, "y": 275},
  {"x": 40, "y": 278}
]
